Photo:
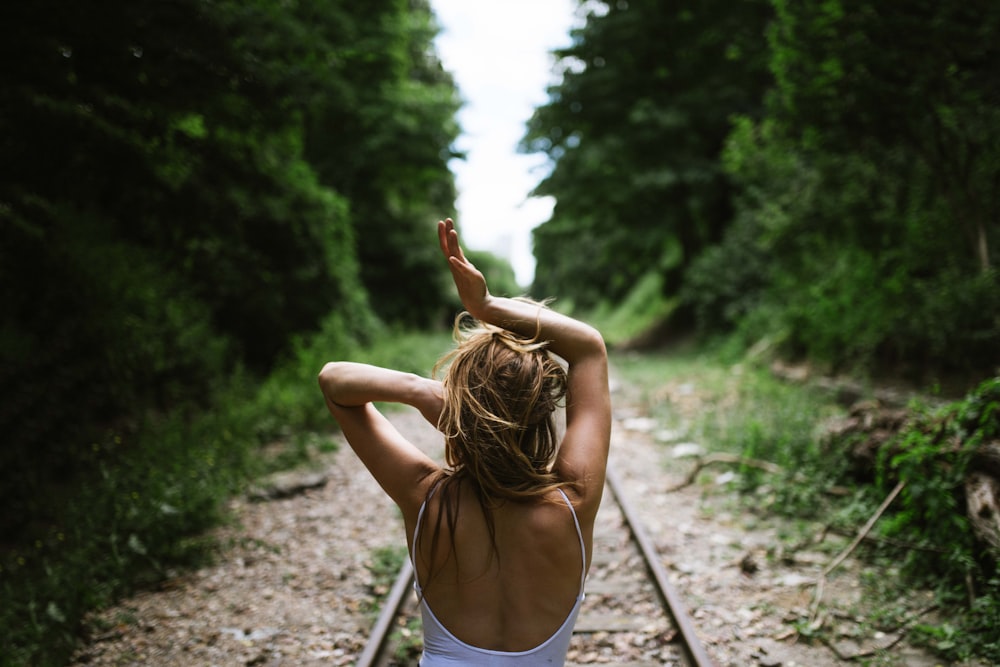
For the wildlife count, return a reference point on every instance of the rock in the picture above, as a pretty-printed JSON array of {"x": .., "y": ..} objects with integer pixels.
[
  {"x": 287, "y": 484},
  {"x": 686, "y": 449},
  {"x": 640, "y": 424}
]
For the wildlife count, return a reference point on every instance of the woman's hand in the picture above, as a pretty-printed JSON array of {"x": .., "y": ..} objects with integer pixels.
[{"x": 468, "y": 279}]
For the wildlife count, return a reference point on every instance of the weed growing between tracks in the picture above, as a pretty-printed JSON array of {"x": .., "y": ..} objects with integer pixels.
[{"x": 383, "y": 567}]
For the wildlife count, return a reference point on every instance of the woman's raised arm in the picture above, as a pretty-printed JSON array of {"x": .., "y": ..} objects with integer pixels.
[
  {"x": 348, "y": 384},
  {"x": 583, "y": 454},
  {"x": 399, "y": 466}
]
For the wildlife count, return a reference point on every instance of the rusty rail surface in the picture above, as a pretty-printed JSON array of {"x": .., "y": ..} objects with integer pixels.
[
  {"x": 390, "y": 609},
  {"x": 671, "y": 599}
]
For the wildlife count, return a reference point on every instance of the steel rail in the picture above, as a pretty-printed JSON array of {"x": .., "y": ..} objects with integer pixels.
[
  {"x": 671, "y": 599},
  {"x": 390, "y": 609}
]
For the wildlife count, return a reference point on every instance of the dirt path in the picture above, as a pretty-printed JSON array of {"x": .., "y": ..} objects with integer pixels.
[{"x": 292, "y": 586}]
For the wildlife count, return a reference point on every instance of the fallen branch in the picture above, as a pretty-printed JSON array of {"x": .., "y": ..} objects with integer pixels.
[
  {"x": 835, "y": 563},
  {"x": 703, "y": 462},
  {"x": 891, "y": 542}
]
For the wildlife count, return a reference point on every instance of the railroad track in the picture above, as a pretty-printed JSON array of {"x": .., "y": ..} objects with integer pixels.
[{"x": 631, "y": 609}]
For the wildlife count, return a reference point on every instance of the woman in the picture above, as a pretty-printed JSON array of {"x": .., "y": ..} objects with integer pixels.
[{"x": 501, "y": 538}]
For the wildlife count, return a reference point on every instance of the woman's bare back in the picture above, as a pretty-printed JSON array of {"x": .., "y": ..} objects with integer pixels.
[{"x": 512, "y": 599}]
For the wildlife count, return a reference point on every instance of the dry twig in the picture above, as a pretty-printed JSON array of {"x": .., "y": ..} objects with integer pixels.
[
  {"x": 835, "y": 563},
  {"x": 703, "y": 462}
]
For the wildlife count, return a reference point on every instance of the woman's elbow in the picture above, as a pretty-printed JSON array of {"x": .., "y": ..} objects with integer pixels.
[
  {"x": 328, "y": 376},
  {"x": 595, "y": 342}
]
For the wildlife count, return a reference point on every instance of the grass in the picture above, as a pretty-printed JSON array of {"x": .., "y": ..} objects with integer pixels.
[
  {"x": 407, "y": 639},
  {"x": 383, "y": 567},
  {"x": 725, "y": 404},
  {"x": 733, "y": 406}
]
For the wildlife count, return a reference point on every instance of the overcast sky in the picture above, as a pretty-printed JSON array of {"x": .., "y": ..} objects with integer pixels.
[{"x": 499, "y": 55}]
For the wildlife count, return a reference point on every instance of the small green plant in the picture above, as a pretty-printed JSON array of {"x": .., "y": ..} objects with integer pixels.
[
  {"x": 944, "y": 637},
  {"x": 383, "y": 567},
  {"x": 408, "y": 640}
]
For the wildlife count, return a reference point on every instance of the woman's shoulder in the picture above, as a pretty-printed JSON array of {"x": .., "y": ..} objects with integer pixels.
[{"x": 555, "y": 506}]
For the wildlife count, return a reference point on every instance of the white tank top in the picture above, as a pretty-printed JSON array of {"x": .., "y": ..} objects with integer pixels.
[{"x": 443, "y": 649}]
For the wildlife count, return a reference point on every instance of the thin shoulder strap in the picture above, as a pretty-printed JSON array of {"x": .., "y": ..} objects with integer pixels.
[
  {"x": 579, "y": 533},
  {"x": 416, "y": 534}
]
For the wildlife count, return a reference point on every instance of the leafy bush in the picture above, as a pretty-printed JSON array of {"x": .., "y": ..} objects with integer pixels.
[
  {"x": 141, "y": 514},
  {"x": 841, "y": 265},
  {"x": 933, "y": 456},
  {"x": 159, "y": 485},
  {"x": 109, "y": 335},
  {"x": 953, "y": 320},
  {"x": 724, "y": 283}
]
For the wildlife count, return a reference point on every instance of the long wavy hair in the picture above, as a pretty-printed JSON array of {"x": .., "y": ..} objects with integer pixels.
[{"x": 501, "y": 391}]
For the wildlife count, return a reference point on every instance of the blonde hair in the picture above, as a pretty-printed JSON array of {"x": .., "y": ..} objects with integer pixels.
[{"x": 501, "y": 391}]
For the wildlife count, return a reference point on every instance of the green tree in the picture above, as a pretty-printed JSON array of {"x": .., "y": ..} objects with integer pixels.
[
  {"x": 386, "y": 148},
  {"x": 867, "y": 195},
  {"x": 913, "y": 87},
  {"x": 634, "y": 131}
]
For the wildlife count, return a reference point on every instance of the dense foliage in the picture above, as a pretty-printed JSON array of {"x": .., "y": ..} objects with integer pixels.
[
  {"x": 931, "y": 532},
  {"x": 870, "y": 189},
  {"x": 820, "y": 174},
  {"x": 186, "y": 189},
  {"x": 933, "y": 455},
  {"x": 186, "y": 185}
]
